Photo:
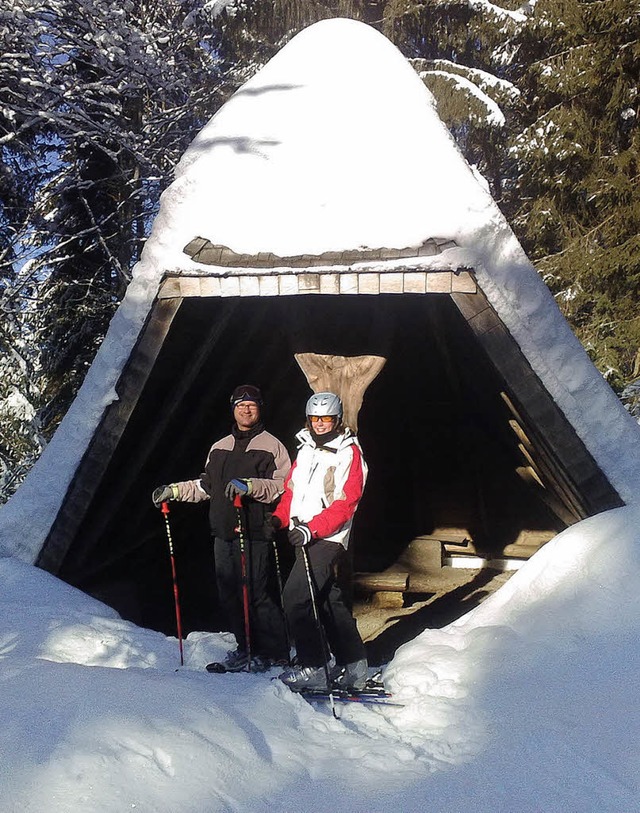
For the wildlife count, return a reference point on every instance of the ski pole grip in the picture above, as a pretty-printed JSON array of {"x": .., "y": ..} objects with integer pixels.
[{"x": 165, "y": 508}]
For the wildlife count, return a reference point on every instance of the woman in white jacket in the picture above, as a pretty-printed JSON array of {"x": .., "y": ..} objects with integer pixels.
[{"x": 321, "y": 494}]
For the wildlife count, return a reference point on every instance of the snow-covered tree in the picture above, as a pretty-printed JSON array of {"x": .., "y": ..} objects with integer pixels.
[
  {"x": 98, "y": 101},
  {"x": 575, "y": 199},
  {"x": 22, "y": 157},
  {"x": 463, "y": 52}
]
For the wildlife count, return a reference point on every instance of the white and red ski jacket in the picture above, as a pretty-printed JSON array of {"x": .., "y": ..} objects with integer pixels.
[{"x": 324, "y": 486}]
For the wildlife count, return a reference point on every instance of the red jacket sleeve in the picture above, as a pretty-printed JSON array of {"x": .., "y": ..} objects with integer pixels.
[{"x": 332, "y": 518}]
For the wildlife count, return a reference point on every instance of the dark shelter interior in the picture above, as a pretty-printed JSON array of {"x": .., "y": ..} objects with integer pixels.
[{"x": 433, "y": 428}]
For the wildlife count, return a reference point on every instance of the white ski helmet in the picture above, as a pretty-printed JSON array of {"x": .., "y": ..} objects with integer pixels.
[{"x": 324, "y": 403}]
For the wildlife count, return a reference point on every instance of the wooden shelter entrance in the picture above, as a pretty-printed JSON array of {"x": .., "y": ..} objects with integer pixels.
[
  {"x": 463, "y": 443},
  {"x": 285, "y": 232}
]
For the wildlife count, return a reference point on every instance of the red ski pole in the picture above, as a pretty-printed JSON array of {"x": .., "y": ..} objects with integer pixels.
[
  {"x": 237, "y": 501},
  {"x": 176, "y": 597}
]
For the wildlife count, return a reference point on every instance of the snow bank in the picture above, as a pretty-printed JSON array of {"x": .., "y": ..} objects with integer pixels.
[
  {"x": 531, "y": 689},
  {"x": 527, "y": 703}
]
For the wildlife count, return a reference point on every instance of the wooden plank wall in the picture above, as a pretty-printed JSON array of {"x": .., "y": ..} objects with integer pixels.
[
  {"x": 550, "y": 446},
  {"x": 105, "y": 439}
]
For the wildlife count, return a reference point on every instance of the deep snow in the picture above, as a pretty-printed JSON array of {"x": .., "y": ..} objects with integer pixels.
[{"x": 526, "y": 704}]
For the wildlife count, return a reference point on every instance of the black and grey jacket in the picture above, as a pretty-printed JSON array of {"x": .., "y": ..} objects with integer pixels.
[{"x": 254, "y": 455}]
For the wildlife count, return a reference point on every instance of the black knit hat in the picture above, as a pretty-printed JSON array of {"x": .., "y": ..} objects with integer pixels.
[{"x": 246, "y": 392}]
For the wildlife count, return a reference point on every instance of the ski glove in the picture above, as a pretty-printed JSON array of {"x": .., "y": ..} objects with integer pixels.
[
  {"x": 235, "y": 487},
  {"x": 164, "y": 494},
  {"x": 300, "y": 535}
]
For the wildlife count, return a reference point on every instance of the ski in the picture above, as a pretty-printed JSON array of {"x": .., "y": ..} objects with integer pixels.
[
  {"x": 258, "y": 665},
  {"x": 373, "y": 693},
  {"x": 370, "y": 696},
  {"x": 218, "y": 668}
]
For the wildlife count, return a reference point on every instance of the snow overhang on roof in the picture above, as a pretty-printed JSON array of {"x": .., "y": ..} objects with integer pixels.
[{"x": 334, "y": 146}]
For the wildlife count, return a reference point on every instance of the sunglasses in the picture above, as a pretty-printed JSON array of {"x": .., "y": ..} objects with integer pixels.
[{"x": 321, "y": 418}]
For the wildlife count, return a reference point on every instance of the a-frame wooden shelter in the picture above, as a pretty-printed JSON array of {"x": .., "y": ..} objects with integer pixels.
[{"x": 474, "y": 434}]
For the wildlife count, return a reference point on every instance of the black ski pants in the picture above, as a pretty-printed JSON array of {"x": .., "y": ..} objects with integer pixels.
[
  {"x": 267, "y": 630},
  {"x": 337, "y": 621}
]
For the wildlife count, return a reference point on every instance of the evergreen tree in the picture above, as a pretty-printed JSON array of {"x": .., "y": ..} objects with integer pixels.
[
  {"x": 132, "y": 80},
  {"x": 574, "y": 201}
]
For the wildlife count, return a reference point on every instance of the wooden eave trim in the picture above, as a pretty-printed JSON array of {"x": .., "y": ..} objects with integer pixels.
[{"x": 330, "y": 281}]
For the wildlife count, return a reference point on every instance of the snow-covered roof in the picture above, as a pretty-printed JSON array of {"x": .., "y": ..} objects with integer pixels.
[{"x": 334, "y": 145}]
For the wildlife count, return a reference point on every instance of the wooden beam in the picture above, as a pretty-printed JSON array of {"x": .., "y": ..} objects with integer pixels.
[
  {"x": 524, "y": 546},
  {"x": 519, "y": 432},
  {"x": 208, "y": 253},
  {"x": 528, "y": 475},
  {"x": 388, "y": 581},
  {"x": 106, "y": 437},
  {"x": 289, "y": 282},
  {"x": 540, "y": 459}
]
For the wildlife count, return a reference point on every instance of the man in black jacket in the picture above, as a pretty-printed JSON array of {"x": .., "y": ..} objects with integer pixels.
[{"x": 252, "y": 463}]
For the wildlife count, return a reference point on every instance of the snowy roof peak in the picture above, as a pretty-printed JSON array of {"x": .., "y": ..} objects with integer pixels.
[{"x": 334, "y": 145}]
